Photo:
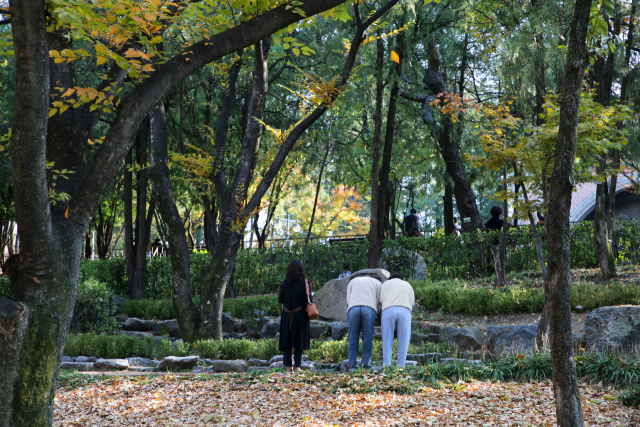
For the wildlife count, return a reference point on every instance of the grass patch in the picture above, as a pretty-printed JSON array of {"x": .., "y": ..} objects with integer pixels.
[
  {"x": 240, "y": 307},
  {"x": 462, "y": 297}
]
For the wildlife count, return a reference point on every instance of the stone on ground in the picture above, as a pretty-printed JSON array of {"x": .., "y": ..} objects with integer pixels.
[
  {"x": 613, "y": 328},
  {"x": 419, "y": 339},
  {"x": 77, "y": 366},
  {"x": 135, "y": 324},
  {"x": 85, "y": 359},
  {"x": 462, "y": 339},
  {"x": 139, "y": 335},
  {"x": 139, "y": 361},
  {"x": 270, "y": 330},
  {"x": 258, "y": 362},
  {"x": 228, "y": 323},
  {"x": 172, "y": 328},
  {"x": 112, "y": 364},
  {"x": 424, "y": 358},
  {"x": 331, "y": 300},
  {"x": 520, "y": 340},
  {"x": 172, "y": 363},
  {"x": 339, "y": 330},
  {"x": 317, "y": 331},
  {"x": 230, "y": 366}
]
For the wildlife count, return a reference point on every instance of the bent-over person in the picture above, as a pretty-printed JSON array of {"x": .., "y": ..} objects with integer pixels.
[
  {"x": 397, "y": 299},
  {"x": 362, "y": 309}
]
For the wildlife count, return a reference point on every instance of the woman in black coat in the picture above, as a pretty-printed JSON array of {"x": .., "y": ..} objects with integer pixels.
[{"x": 294, "y": 323}]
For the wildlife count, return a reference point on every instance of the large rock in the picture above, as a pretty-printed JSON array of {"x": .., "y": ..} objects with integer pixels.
[
  {"x": 258, "y": 362},
  {"x": 331, "y": 300},
  {"x": 228, "y": 323},
  {"x": 172, "y": 363},
  {"x": 135, "y": 324},
  {"x": 77, "y": 366},
  {"x": 339, "y": 330},
  {"x": 405, "y": 261},
  {"x": 608, "y": 328},
  {"x": 139, "y": 361},
  {"x": 172, "y": 329},
  {"x": 85, "y": 359},
  {"x": 520, "y": 340},
  {"x": 117, "y": 302},
  {"x": 112, "y": 364},
  {"x": 420, "y": 339},
  {"x": 230, "y": 366},
  {"x": 159, "y": 328},
  {"x": 317, "y": 331},
  {"x": 462, "y": 339},
  {"x": 270, "y": 330}
]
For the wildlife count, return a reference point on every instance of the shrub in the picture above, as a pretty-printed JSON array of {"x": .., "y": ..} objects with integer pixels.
[
  {"x": 631, "y": 397},
  {"x": 456, "y": 297},
  {"x": 94, "y": 310},
  {"x": 247, "y": 307},
  {"x": 5, "y": 287},
  {"x": 149, "y": 309}
]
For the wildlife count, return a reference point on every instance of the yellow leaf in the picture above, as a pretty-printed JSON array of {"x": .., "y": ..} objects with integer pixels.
[
  {"x": 52, "y": 112},
  {"x": 101, "y": 60},
  {"x": 63, "y": 108},
  {"x": 394, "y": 57},
  {"x": 66, "y": 213},
  {"x": 90, "y": 142},
  {"x": 156, "y": 40},
  {"x": 157, "y": 2}
]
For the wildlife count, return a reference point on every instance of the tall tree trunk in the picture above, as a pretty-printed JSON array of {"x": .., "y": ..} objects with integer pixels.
[
  {"x": 449, "y": 149},
  {"x": 565, "y": 384},
  {"x": 384, "y": 190},
  {"x": 129, "y": 248},
  {"x": 189, "y": 319},
  {"x": 447, "y": 203},
  {"x": 327, "y": 149},
  {"x": 375, "y": 245}
]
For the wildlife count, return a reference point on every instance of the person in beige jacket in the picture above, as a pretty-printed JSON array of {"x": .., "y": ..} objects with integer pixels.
[
  {"x": 362, "y": 309},
  {"x": 396, "y": 298}
]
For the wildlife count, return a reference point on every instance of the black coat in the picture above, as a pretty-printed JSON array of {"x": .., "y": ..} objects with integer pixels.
[{"x": 294, "y": 333}]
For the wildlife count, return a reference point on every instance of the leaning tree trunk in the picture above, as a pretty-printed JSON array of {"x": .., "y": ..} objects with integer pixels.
[
  {"x": 565, "y": 384},
  {"x": 602, "y": 243}
]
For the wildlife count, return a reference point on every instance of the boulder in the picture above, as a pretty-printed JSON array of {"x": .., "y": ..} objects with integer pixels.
[
  {"x": 117, "y": 301},
  {"x": 462, "y": 339},
  {"x": 154, "y": 363},
  {"x": 159, "y": 328},
  {"x": 408, "y": 363},
  {"x": 339, "y": 330},
  {"x": 242, "y": 328},
  {"x": 142, "y": 369},
  {"x": 317, "y": 331},
  {"x": 420, "y": 339},
  {"x": 276, "y": 365},
  {"x": 331, "y": 300},
  {"x": 254, "y": 326},
  {"x": 139, "y": 335},
  {"x": 424, "y": 358},
  {"x": 257, "y": 362},
  {"x": 579, "y": 340},
  {"x": 77, "y": 366},
  {"x": 230, "y": 366},
  {"x": 344, "y": 366},
  {"x": 309, "y": 366},
  {"x": 172, "y": 328},
  {"x": 228, "y": 323},
  {"x": 404, "y": 260},
  {"x": 173, "y": 363},
  {"x": 85, "y": 359},
  {"x": 202, "y": 370},
  {"x": 112, "y": 364},
  {"x": 520, "y": 340},
  {"x": 609, "y": 328},
  {"x": 135, "y": 324},
  {"x": 270, "y": 330},
  {"x": 430, "y": 328},
  {"x": 139, "y": 362},
  {"x": 67, "y": 359}
]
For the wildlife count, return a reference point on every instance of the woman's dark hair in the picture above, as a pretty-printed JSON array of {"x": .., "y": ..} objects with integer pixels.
[
  {"x": 396, "y": 276},
  {"x": 496, "y": 211},
  {"x": 295, "y": 271},
  {"x": 346, "y": 265}
]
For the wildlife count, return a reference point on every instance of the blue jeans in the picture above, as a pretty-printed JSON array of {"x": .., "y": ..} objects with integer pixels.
[
  {"x": 392, "y": 317},
  {"x": 361, "y": 319}
]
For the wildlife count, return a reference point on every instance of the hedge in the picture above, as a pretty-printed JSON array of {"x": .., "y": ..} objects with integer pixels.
[{"x": 454, "y": 297}]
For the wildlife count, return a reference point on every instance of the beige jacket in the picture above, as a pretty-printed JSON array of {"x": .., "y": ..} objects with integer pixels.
[
  {"x": 363, "y": 291},
  {"x": 396, "y": 293}
]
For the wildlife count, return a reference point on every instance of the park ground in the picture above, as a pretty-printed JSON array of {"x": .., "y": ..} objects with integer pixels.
[{"x": 326, "y": 400}]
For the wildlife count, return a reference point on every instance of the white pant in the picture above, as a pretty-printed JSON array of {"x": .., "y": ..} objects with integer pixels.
[{"x": 392, "y": 317}]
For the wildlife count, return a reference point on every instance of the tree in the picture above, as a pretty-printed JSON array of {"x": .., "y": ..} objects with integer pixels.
[
  {"x": 561, "y": 184},
  {"x": 52, "y": 235}
]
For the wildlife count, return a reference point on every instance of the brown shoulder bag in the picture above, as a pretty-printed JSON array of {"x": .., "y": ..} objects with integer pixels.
[{"x": 312, "y": 310}]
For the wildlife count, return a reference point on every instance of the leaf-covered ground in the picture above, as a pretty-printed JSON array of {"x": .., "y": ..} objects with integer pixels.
[{"x": 323, "y": 400}]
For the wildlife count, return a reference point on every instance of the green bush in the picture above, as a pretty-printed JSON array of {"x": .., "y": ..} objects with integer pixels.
[
  {"x": 5, "y": 287},
  {"x": 456, "y": 297},
  {"x": 246, "y": 307},
  {"x": 149, "y": 309},
  {"x": 94, "y": 310}
]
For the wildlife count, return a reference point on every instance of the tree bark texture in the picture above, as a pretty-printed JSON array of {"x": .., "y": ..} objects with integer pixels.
[
  {"x": 565, "y": 384},
  {"x": 375, "y": 246},
  {"x": 447, "y": 202}
]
